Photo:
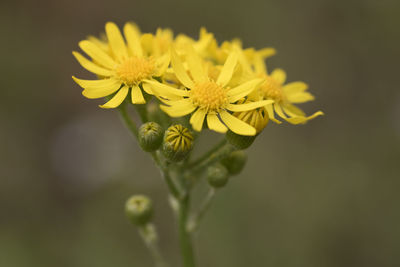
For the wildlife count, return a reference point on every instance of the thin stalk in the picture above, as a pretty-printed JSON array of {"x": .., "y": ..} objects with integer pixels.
[
  {"x": 220, "y": 153},
  {"x": 184, "y": 236},
  {"x": 150, "y": 238},
  {"x": 127, "y": 120},
  {"x": 205, "y": 205},
  {"x": 208, "y": 153}
]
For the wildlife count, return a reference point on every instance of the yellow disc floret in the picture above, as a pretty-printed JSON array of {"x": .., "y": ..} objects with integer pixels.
[
  {"x": 133, "y": 70},
  {"x": 272, "y": 89},
  {"x": 209, "y": 95}
]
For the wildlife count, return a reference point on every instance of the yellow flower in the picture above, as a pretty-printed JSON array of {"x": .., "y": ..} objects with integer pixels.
[
  {"x": 284, "y": 95},
  {"x": 258, "y": 118},
  {"x": 124, "y": 68},
  {"x": 205, "y": 98}
]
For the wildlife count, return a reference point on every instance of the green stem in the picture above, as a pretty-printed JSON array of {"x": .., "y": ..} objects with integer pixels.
[
  {"x": 184, "y": 234},
  {"x": 222, "y": 151},
  {"x": 196, "y": 218},
  {"x": 127, "y": 120},
  {"x": 150, "y": 238},
  {"x": 208, "y": 153}
]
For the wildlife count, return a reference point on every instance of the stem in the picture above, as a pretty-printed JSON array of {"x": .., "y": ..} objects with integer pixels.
[
  {"x": 166, "y": 176},
  {"x": 196, "y": 218},
  {"x": 208, "y": 153},
  {"x": 150, "y": 238},
  {"x": 222, "y": 151},
  {"x": 127, "y": 120},
  {"x": 184, "y": 235}
]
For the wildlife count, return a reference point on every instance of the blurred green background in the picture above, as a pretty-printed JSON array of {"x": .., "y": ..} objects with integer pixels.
[{"x": 323, "y": 194}]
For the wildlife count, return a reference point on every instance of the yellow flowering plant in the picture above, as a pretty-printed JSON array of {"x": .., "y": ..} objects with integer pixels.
[{"x": 181, "y": 87}]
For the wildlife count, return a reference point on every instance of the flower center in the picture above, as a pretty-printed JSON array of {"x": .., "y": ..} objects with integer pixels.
[
  {"x": 272, "y": 89},
  {"x": 133, "y": 70},
  {"x": 209, "y": 95}
]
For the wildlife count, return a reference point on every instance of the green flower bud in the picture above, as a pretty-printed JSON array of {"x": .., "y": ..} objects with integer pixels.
[
  {"x": 150, "y": 136},
  {"x": 235, "y": 162},
  {"x": 239, "y": 141},
  {"x": 139, "y": 209},
  {"x": 217, "y": 175},
  {"x": 178, "y": 142}
]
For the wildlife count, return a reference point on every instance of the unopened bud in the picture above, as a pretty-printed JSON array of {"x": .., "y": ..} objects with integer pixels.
[
  {"x": 235, "y": 162},
  {"x": 178, "y": 142},
  {"x": 217, "y": 175},
  {"x": 139, "y": 209},
  {"x": 239, "y": 141},
  {"x": 150, "y": 136}
]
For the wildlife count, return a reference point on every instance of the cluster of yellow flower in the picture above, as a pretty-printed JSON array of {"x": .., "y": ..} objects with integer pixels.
[{"x": 225, "y": 85}]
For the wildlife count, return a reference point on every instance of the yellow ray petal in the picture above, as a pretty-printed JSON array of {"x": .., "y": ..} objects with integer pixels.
[
  {"x": 302, "y": 119},
  {"x": 132, "y": 35},
  {"x": 197, "y": 119},
  {"x": 101, "y": 91},
  {"x": 300, "y": 97},
  {"x": 180, "y": 71},
  {"x": 162, "y": 64},
  {"x": 294, "y": 87},
  {"x": 279, "y": 111},
  {"x": 248, "y": 106},
  {"x": 196, "y": 65},
  {"x": 97, "y": 54},
  {"x": 95, "y": 84},
  {"x": 293, "y": 111},
  {"x": 237, "y": 126},
  {"x": 243, "y": 90},
  {"x": 271, "y": 114},
  {"x": 90, "y": 66},
  {"x": 267, "y": 52},
  {"x": 227, "y": 70},
  {"x": 177, "y": 110},
  {"x": 116, "y": 41},
  {"x": 279, "y": 75},
  {"x": 215, "y": 124},
  {"x": 163, "y": 89},
  {"x": 117, "y": 99},
  {"x": 137, "y": 96}
]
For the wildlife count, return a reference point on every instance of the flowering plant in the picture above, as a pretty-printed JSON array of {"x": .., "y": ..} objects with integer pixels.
[{"x": 180, "y": 86}]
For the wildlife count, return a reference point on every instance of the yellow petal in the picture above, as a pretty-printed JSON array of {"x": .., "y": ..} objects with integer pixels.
[
  {"x": 227, "y": 70},
  {"x": 90, "y": 66},
  {"x": 196, "y": 65},
  {"x": 248, "y": 106},
  {"x": 162, "y": 64},
  {"x": 137, "y": 96},
  {"x": 243, "y": 90},
  {"x": 271, "y": 114},
  {"x": 300, "y": 97},
  {"x": 279, "y": 111},
  {"x": 197, "y": 119},
  {"x": 279, "y": 75},
  {"x": 237, "y": 126},
  {"x": 293, "y": 111},
  {"x": 116, "y": 41},
  {"x": 178, "y": 110},
  {"x": 95, "y": 84},
  {"x": 302, "y": 119},
  {"x": 163, "y": 89},
  {"x": 117, "y": 99},
  {"x": 97, "y": 54},
  {"x": 267, "y": 52},
  {"x": 215, "y": 124},
  {"x": 101, "y": 91},
  {"x": 180, "y": 71},
  {"x": 132, "y": 35},
  {"x": 294, "y": 88}
]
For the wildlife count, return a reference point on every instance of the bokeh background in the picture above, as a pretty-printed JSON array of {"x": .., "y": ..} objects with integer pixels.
[{"x": 323, "y": 194}]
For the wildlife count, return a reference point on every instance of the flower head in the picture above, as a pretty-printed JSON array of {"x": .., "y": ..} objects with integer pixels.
[
  {"x": 206, "y": 98},
  {"x": 121, "y": 68}
]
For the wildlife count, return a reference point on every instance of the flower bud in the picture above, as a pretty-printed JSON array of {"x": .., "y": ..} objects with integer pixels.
[
  {"x": 235, "y": 162},
  {"x": 139, "y": 209},
  {"x": 150, "y": 136},
  {"x": 178, "y": 142},
  {"x": 217, "y": 175},
  {"x": 239, "y": 141},
  {"x": 258, "y": 118}
]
